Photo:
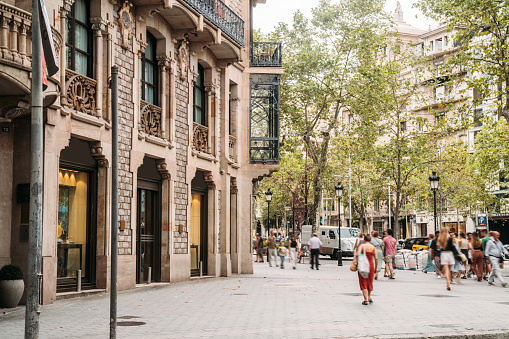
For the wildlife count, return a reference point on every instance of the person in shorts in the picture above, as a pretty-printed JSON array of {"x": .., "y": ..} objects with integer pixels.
[
  {"x": 390, "y": 251},
  {"x": 259, "y": 248}
]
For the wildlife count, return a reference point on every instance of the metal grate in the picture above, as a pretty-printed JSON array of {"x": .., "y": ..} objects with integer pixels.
[
  {"x": 130, "y": 323},
  {"x": 266, "y": 54}
]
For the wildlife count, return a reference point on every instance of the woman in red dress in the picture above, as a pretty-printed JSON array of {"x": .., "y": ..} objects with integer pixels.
[{"x": 366, "y": 284}]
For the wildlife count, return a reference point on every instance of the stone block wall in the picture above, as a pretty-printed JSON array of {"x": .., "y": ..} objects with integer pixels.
[
  {"x": 182, "y": 131},
  {"x": 124, "y": 59}
]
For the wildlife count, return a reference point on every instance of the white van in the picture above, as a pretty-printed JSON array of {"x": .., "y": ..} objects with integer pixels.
[{"x": 329, "y": 237}]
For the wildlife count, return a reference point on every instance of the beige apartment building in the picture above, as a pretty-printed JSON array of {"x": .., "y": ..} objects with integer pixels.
[{"x": 198, "y": 128}]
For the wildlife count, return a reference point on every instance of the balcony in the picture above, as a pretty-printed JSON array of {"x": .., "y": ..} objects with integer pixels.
[
  {"x": 231, "y": 149},
  {"x": 221, "y": 16},
  {"x": 81, "y": 93},
  {"x": 15, "y": 44},
  {"x": 266, "y": 54},
  {"x": 150, "y": 119},
  {"x": 201, "y": 138}
]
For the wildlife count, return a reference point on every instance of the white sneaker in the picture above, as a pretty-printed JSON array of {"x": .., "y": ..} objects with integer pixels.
[{"x": 438, "y": 277}]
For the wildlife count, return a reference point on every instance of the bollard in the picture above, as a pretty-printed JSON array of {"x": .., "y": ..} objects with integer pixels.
[
  {"x": 149, "y": 277},
  {"x": 78, "y": 280},
  {"x": 201, "y": 268}
]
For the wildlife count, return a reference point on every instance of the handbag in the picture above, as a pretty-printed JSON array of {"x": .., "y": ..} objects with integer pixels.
[
  {"x": 363, "y": 264},
  {"x": 353, "y": 265}
]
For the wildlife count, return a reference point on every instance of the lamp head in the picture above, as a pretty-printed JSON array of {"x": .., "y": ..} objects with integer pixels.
[
  {"x": 268, "y": 195},
  {"x": 339, "y": 190},
  {"x": 433, "y": 181}
]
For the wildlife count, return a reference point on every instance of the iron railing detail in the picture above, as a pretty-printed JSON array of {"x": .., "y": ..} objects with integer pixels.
[
  {"x": 266, "y": 54},
  {"x": 221, "y": 16},
  {"x": 264, "y": 119}
]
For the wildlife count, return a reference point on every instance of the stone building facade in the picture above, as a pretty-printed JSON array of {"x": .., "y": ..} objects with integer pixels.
[{"x": 198, "y": 106}]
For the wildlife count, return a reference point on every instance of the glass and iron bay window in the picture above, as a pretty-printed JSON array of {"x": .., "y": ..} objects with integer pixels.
[
  {"x": 264, "y": 119},
  {"x": 78, "y": 39},
  {"x": 149, "y": 76}
]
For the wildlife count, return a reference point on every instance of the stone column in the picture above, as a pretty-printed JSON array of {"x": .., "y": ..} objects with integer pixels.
[
  {"x": 63, "y": 14},
  {"x": 164, "y": 65},
  {"x": 235, "y": 233},
  {"x": 99, "y": 26}
]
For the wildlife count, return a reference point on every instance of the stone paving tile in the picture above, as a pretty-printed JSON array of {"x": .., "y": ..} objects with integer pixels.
[{"x": 276, "y": 303}]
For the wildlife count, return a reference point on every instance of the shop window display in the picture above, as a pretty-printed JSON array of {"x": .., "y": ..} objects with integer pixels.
[{"x": 72, "y": 222}]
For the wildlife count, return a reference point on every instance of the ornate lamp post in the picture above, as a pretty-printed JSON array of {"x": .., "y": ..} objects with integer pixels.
[
  {"x": 339, "y": 193},
  {"x": 268, "y": 198},
  {"x": 433, "y": 180}
]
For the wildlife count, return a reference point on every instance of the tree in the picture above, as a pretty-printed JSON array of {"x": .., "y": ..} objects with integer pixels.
[
  {"x": 322, "y": 57},
  {"x": 482, "y": 38}
]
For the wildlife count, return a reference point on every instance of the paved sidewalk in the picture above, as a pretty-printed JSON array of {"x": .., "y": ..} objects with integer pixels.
[{"x": 276, "y": 303}]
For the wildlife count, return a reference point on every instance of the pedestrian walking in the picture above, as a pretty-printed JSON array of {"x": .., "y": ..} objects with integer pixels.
[
  {"x": 358, "y": 241},
  {"x": 464, "y": 246},
  {"x": 447, "y": 253},
  {"x": 487, "y": 265},
  {"x": 315, "y": 246},
  {"x": 390, "y": 251},
  {"x": 281, "y": 252},
  {"x": 477, "y": 256},
  {"x": 379, "y": 246},
  {"x": 293, "y": 245},
  {"x": 430, "y": 265},
  {"x": 458, "y": 266},
  {"x": 259, "y": 248},
  {"x": 435, "y": 254},
  {"x": 366, "y": 284},
  {"x": 496, "y": 252},
  {"x": 272, "y": 249}
]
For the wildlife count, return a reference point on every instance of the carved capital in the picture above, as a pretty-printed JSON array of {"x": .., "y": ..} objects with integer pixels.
[
  {"x": 162, "y": 169},
  {"x": 234, "y": 189},
  {"x": 164, "y": 62},
  {"x": 142, "y": 46},
  {"x": 209, "y": 180},
  {"x": 98, "y": 23},
  {"x": 66, "y": 6},
  {"x": 96, "y": 150}
]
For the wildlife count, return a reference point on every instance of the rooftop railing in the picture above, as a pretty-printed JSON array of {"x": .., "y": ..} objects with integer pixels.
[{"x": 222, "y": 16}]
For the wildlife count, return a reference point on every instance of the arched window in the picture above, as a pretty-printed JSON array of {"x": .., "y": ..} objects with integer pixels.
[
  {"x": 78, "y": 39},
  {"x": 199, "y": 98},
  {"x": 149, "y": 78}
]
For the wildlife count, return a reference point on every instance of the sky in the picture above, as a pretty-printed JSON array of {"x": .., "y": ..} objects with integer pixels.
[{"x": 266, "y": 16}]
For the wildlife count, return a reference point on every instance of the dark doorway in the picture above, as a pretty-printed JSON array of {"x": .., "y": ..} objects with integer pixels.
[
  {"x": 148, "y": 226},
  {"x": 199, "y": 231}
]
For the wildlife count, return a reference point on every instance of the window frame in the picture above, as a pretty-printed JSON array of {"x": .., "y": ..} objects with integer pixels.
[
  {"x": 144, "y": 60},
  {"x": 200, "y": 87},
  {"x": 71, "y": 15}
]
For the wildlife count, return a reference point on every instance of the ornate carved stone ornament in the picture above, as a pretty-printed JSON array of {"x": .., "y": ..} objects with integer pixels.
[
  {"x": 97, "y": 152},
  {"x": 234, "y": 189},
  {"x": 150, "y": 119},
  {"x": 201, "y": 138},
  {"x": 183, "y": 58},
  {"x": 161, "y": 168},
  {"x": 81, "y": 92},
  {"x": 126, "y": 22},
  {"x": 209, "y": 180}
]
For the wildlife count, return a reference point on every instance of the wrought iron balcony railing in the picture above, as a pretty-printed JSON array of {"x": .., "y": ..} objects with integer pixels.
[
  {"x": 266, "y": 54},
  {"x": 222, "y": 16}
]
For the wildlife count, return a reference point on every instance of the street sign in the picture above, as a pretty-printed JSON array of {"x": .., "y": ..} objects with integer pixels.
[{"x": 481, "y": 221}]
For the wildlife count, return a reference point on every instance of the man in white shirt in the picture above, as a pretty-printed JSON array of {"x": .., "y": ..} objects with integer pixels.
[
  {"x": 496, "y": 252},
  {"x": 315, "y": 246}
]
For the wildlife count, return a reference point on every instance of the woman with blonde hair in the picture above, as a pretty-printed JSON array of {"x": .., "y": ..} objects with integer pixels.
[
  {"x": 447, "y": 254},
  {"x": 359, "y": 241}
]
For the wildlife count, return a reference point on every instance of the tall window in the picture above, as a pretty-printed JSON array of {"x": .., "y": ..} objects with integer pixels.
[
  {"x": 78, "y": 39},
  {"x": 149, "y": 78},
  {"x": 199, "y": 98}
]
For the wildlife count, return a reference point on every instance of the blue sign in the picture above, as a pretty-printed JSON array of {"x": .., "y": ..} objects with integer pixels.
[{"x": 481, "y": 221}]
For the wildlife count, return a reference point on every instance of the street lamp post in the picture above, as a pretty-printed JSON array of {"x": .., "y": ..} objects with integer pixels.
[
  {"x": 339, "y": 193},
  {"x": 433, "y": 180},
  {"x": 268, "y": 198},
  {"x": 287, "y": 209}
]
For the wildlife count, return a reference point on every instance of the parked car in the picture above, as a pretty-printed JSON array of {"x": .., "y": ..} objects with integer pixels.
[
  {"x": 415, "y": 243},
  {"x": 329, "y": 235}
]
